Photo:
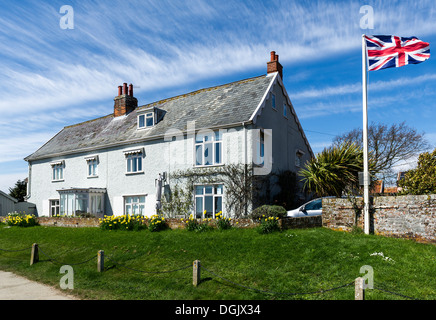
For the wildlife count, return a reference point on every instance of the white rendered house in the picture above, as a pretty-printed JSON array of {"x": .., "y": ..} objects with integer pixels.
[{"x": 118, "y": 164}]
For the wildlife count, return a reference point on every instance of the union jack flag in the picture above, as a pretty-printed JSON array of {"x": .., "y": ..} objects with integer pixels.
[{"x": 393, "y": 52}]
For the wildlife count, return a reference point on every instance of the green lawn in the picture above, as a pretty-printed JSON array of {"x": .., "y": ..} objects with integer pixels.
[{"x": 292, "y": 261}]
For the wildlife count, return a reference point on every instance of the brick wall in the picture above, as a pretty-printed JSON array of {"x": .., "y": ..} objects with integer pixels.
[{"x": 409, "y": 216}]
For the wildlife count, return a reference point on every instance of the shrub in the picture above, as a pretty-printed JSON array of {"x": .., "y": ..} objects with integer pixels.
[
  {"x": 268, "y": 211},
  {"x": 125, "y": 222},
  {"x": 421, "y": 180},
  {"x": 192, "y": 224},
  {"x": 268, "y": 225},
  {"x": 157, "y": 223},
  {"x": 222, "y": 223},
  {"x": 20, "y": 220}
]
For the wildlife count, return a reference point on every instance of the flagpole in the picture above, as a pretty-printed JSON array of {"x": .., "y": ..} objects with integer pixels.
[{"x": 365, "y": 138}]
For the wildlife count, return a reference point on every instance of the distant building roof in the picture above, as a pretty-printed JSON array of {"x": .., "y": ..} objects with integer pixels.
[{"x": 8, "y": 196}]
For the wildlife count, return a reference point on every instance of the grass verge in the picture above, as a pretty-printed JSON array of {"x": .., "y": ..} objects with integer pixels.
[{"x": 292, "y": 261}]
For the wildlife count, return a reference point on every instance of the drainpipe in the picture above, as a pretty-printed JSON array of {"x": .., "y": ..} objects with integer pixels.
[
  {"x": 245, "y": 160},
  {"x": 29, "y": 174}
]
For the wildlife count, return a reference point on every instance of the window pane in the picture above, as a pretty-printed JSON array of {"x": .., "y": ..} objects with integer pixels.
[
  {"x": 208, "y": 206},
  {"x": 217, "y": 152},
  {"x": 199, "y": 190},
  {"x": 198, "y": 207},
  {"x": 149, "y": 122},
  {"x": 219, "y": 189},
  {"x": 99, "y": 204},
  {"x": 218, "y": 135},
  {"x": 128, "y": 209},
  {"x": 208, "y": 153},
  {"x": 129, "y": 164},
  {"x": 139, "y": 159},
  {"x": 135, "y": 209},
  {"x": 142, "y": 199},
  {"x": 198, "y": 138},
  {"x": 141, "y": 120},
  {"x": 128, "y": 199},
  {"x": 208, "y": 189},
  {"x": 63, "y": 203},
  {"x": 134, "y": 165},
  {"x": 208, "y": 137},
  {"x": 199, "y": 155},
  {"x": 70, "y": 204},
  {"x": 273, "y": 101},
  {"x": 218, "y": 204}
]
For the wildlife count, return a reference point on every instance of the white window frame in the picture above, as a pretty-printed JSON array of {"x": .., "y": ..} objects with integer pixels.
[
  {"x": 145, "y": 116},
  {"x": 134, "y": 157},
  {"x": 57, "y": 173},
  {"x": 202, "y": 196},
  {"x": 135, "y": 202},
  {"x": 298, "y": 157},
  {"x": 216, "y": 141},
  {"x": 92, "y": 166},
  {"x": 55, "y": 204}
]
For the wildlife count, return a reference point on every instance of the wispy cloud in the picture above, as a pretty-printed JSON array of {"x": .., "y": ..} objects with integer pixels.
[
  {"x": 53, "y": 77},
  {"x": 357, "y": 87}
]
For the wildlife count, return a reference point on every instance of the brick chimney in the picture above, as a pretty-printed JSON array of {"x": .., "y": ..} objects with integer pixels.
[
  {"x": 125, "y": 102},
  {"x": 274, "y": 65}
]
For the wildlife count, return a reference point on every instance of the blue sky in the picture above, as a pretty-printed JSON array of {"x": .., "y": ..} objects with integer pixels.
[{"x": 53, "y": 77}]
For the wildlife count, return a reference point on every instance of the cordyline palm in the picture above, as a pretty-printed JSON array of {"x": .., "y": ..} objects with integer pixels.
[{"x": 334, "y": 170}]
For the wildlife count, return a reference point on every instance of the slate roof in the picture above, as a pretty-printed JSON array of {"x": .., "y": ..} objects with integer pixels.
[{"x": 212, "y": 107}]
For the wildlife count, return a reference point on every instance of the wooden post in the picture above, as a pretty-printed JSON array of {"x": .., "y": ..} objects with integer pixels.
[
  {"x": 34, "y": 256},
  {"x": 196, "y": 273},
  {"x": 100, "y": 261},
  {"x": 359, "y": 289}
]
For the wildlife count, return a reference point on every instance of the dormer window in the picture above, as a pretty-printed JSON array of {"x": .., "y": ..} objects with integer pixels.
[{"x": 146, "y": 120}]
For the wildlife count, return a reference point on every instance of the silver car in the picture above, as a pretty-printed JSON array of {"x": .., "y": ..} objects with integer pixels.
[{"x": 311, "y": 208}]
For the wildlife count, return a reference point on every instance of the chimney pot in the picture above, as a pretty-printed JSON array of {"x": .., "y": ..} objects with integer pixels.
[
  {"x": 274, "y": 65},
  {"x": 125, "y": 102}
]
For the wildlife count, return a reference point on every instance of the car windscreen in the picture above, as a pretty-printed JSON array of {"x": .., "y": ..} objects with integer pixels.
[{"x": 314, "y": 205}]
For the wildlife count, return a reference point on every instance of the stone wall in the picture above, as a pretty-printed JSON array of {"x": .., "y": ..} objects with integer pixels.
[{"x": 406, "y": 216}]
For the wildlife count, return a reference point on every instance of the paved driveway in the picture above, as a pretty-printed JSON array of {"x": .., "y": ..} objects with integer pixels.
[{"x": 13, "y": 287}]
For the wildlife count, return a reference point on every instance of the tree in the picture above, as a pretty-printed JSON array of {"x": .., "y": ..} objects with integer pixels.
[
  {"x": 19, "y": 191},
  {"x": 388, "y": 145},
  {"x": 334, "y": 170},
  {"x": 421, "y": 180}
]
